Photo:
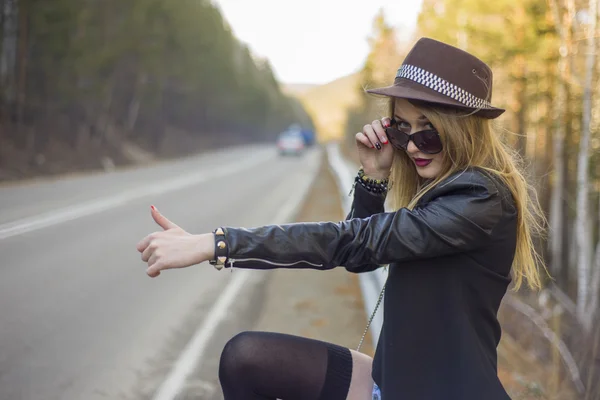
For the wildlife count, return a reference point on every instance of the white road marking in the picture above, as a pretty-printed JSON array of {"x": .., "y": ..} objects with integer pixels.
[
  {"x": 188, "y": 359},
  {"x": 70, "y": 213}
]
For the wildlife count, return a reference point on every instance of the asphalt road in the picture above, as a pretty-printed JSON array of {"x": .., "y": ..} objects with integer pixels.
[{"x": 79, "y": 319}]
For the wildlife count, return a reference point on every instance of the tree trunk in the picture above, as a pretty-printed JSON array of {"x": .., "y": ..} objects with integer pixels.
[
  {"x": 134, "y": 106},
  {"x": 556, "y": 203},
  {"x": 8, "y": 58},
  {"x": 521, "y": 99},
  {"x": 556, "y": 199},
  {"x": 583, "y": 232},
  {"x": 22, "y": 64},
  {"x": 3, "y": 13},
  {"x": 592, "y": 309},
  {"x": 545, "y": 146},
  {"x": 569, "y": 256},
  {"x": 519, "y": 72}
]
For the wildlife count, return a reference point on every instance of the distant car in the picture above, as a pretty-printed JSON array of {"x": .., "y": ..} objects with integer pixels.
[
  {"x": 309, "y": 137},
  {"x": 290, "y": 144}
]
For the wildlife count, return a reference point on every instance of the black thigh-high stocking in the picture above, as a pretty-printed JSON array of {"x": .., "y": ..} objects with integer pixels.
[{"x": 267, "y": 366}]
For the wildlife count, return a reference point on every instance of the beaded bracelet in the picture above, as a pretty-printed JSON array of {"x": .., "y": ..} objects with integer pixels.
[{"x": 379, "y": 186}]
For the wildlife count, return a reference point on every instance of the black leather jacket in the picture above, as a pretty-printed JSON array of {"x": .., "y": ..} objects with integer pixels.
[{"x": 450, "y": 260}]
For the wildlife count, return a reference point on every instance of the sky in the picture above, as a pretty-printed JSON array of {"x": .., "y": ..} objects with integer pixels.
[{"x": 314, "y": 41}]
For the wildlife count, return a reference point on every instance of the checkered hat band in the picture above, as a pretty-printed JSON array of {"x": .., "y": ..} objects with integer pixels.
[{"x": 442, "y": 86}]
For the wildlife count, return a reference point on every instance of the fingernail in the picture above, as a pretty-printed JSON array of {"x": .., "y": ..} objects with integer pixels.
[
  {"x": 384, "y": 140},
  {"x": 386, "y": 124},
  {"x": 378, "y": 146},
  {"x": 153, "y": 208}
]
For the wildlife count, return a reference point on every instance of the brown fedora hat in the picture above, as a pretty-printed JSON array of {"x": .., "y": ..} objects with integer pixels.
[{"x": 435, "y": 72}]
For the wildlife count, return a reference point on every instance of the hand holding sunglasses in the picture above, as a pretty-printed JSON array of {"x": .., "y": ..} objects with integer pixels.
[{"x": 374, "y": 151}]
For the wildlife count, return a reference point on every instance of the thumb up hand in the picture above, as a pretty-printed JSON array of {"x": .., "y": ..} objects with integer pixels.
[{"x": 172, "y": 247}]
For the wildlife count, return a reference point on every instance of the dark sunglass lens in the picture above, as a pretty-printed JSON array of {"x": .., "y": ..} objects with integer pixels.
[
  {"x": 428, "y": 141},
  {"x": 397, "y": 138}
]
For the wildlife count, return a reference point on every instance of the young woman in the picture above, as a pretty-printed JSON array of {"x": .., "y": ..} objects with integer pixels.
[{"x": 463, "y": 221}]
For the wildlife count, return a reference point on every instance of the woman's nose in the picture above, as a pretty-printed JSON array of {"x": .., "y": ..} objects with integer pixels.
[{"x": 411, "y": 148}]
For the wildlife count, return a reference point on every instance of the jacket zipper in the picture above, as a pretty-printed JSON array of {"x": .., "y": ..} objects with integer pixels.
[{"x": 232, "y": 260}]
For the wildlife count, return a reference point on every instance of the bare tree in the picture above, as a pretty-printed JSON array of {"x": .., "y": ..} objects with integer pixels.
[
  {"x": 583, "y": 231},
  {"x": 563, "y": 23},
  {"x": 8, "y": 55},
  {"x": 592, "y": 309}
]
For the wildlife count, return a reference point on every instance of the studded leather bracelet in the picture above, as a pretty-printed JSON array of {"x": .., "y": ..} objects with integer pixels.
[{"x": 221, "y": 250}]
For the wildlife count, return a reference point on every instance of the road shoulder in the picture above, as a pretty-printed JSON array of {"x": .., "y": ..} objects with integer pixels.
[{"x": 323, "y": 305}]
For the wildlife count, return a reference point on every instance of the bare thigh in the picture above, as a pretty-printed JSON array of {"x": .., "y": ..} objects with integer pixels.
[{"x": 361, "y": 385}]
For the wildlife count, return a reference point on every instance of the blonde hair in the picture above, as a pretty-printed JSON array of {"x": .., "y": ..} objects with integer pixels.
[{"x": 471, "y": 141}]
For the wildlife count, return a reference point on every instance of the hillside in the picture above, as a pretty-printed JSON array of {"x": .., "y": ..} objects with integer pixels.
[
  {"x": 297, "y": 89},
  {"x": 327, "y": 104}
]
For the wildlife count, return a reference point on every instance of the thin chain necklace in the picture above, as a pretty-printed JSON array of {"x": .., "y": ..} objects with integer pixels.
[{"x": 362, "y": 339}]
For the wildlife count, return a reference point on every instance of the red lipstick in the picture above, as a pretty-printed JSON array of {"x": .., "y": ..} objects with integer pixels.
[{"x": 422, "y": 162}]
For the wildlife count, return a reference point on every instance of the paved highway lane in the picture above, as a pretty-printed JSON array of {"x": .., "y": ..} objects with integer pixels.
[{"x": 79, "y": 319}]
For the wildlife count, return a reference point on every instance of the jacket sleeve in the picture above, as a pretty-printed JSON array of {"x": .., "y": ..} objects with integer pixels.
[
  {"x": 458, "y": 216},
  {"x": 365, "y": 204}
]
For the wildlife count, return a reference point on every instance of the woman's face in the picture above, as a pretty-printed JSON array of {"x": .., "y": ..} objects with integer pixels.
[{"x": 410, "y": 120}]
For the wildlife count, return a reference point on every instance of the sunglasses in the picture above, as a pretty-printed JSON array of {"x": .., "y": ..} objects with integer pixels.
[{"x": 427, "y": 141}]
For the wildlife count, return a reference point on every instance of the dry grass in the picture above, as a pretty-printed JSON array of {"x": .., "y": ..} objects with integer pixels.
[{"x": 525, "y": 377}]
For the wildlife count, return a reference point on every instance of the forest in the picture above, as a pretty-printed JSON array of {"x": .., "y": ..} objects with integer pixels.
[{"x": 86, "y": 84}]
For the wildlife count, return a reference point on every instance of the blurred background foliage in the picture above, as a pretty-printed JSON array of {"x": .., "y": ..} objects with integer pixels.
[{"x": 87, "y": 80}]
